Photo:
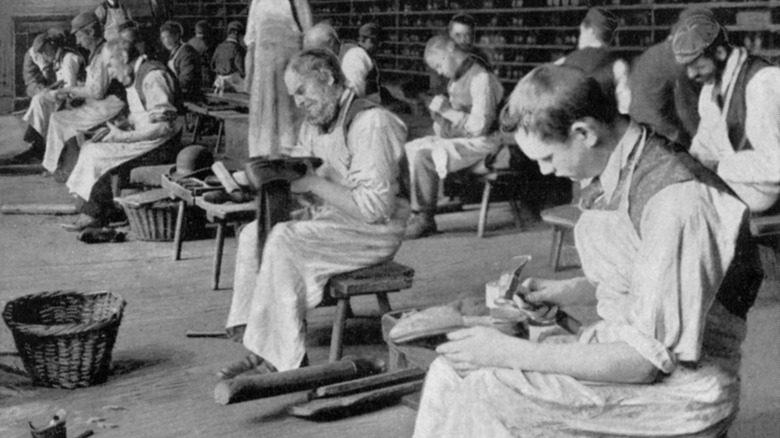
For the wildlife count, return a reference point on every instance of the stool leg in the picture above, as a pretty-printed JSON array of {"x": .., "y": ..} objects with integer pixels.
[
  {"x": 196, "y": 129},
  {"x": 220, "y": 134},
  {"x": 218, "y": 255},
  {"x": 483, "y": 210},
  {"x": 177, "y": 234},
  {"x": 557, "y": 244},
  {"x": 384, "y": 303},
  {"x": 515, "y": 206},
  {"x": 336, "y": 337}
]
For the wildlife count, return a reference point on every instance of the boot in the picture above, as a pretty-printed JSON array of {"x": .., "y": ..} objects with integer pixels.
[{"x": 420, "y": 225}]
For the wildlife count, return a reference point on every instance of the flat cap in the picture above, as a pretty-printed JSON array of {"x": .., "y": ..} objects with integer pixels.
[
  {"x": 235, "y": 25},
  {"x": 82, "y": 20},
  {"x": 693, "y": 35},
  {"x": 369, "y": 30}
]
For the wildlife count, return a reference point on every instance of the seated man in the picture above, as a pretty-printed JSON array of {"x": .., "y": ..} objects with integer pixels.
[
  {"x": 462, "y": 121},
  {"x": 102, "y": 97},
  {"x": 360, "y": 67},
  {"x": 356, "y": 218},
  {"x": 183, "y": 61},
  {"x": 739, "y": 105},
  {"x": 228, "y": 60},
  {"x": 37, "y": 73},
  {"x": 667, "y": 257},
  {"x": 68, "y": 67},
  {"x": 151, "y": 127}
]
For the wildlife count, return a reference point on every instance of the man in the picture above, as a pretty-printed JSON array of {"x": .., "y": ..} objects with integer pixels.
[
  {"x": 462, "y": 122},
  {"x": 111, "y": 14},
  {"x": 38, "y": 74},
  {"x": 202, "y": 43},
  {"x": 739, "y": 105},
  {"x": 356, "y": 218},
  {"x": 662, "y": 95},
  {"x": 359, "y": 65},
  {"x": 461, "y": 30},
  {"x": 183, "y": 60},
  {"x": 68, "y": 67},
  {"x": 663, "y": 358},
  {"x": 228, "y": 60},
  {"x": 102, "y": 97},
  {"x": 151, "y": 127},
  {"x": 594, "y": 56},
  {"x": 322, "y": 36}
]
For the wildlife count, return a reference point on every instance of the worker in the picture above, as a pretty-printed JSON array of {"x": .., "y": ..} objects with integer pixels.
[
  {"x": 356, "y": 219},
  {"x": 739, "y": 133},
  {"x": 662, "y": 95},
  {"x": 594, "y": 56},
  {"x": 462, "y": 29},
  {"x": 228, "y": 60},
  {"x": 68, "y": 65},
  {"x": 111, "y": 14},
  {"x": 322, "y": 36},
  {"x": 183, "y": 61},
  {"x": 38, "y": 74},
  {"x": 152, "y": 126},
  {"x": 274, "y": 33},
  {"x": 102, "y": 97},
  {"x": 462, "y": 123},
  {"x": 360, "y": 67},
  {"x": 202, "y": 44},
  {"x": 663, "y": 357}
]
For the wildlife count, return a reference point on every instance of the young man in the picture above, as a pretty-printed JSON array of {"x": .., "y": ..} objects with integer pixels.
[
  {"x": 228, "y": 60},
  {"x": 462, "y": 122},
  {"x": 461, "y": 30},
  {"x": 68, "y": 68},
  {"x": 359, "y": 65},
  {"x": 663, "y": 359},
  {"x": 183, "y": 60},
  {"x": 355, "y": 219},
  {"x": 103, "y": 98},
  {"x": 739, "y": 105},
  {"x": 152, "y": 124}
]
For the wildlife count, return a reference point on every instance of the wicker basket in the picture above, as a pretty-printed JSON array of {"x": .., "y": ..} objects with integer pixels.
[
  {"x": 155, "y": 221},
  {"x": 65, "y": 338}
]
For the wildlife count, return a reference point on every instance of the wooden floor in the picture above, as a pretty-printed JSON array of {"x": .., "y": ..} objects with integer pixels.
[{"x": 162, "y": 382}]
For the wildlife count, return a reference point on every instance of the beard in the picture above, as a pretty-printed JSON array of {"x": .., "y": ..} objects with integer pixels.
[{"x": 325, "y": 112}]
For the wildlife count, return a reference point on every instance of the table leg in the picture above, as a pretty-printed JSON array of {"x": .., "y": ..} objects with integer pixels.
[
  {"x": 218, "y": 255},
  {"x": 177, "y": 234}
]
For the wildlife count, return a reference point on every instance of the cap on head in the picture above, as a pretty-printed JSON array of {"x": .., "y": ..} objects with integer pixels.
[
  {"x": 693, "y": 35},
  {"x": 191, "y": 159},
  {"x": 82, "y": 20},
  {"x": 369, "y": 30},
  {"x": 235, "y": 26}
]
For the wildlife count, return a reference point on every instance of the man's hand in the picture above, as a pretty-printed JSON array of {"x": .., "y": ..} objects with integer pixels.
[
  {"x": 439, "y": 104},
  {"x": 307, "y": 182},
  {"x": 560, "y": 292},
  {"x": 108, "y": 134},
  {"x": 476, "y": 347},
  {"x": 62, "y": 94}
]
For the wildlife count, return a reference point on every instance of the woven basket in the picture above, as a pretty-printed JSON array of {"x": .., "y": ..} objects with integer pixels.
[
  {"x": 155, "y": 221},
  {"x": 65, "y": 338}
]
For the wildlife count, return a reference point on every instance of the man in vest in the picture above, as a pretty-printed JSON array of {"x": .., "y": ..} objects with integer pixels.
[
  {"x": 102, "y": 98},
  {"x": 462, "y": 122},
  {"x": 359, "y": 65},
  {"x": 202, "y": 43},
  {"x": 355, "y": 218},
  {"x": 739, "y": 105},
  {"x": 68, "y": 67},
  {"x": 228, "y": 60},
  {"x": 37, "y": 73},
  {"x": 183, "y": 60},
  {"x": 152, "y": 126}
]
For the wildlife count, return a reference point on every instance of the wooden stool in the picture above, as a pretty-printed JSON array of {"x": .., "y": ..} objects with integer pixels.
[
  {"x": 562, "y": 218},
  {"x": 498, "y": 177},
  {"x": 379, "y": 280}
]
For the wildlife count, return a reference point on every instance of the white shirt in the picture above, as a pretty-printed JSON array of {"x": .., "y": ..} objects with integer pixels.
[
  {"x": 277, "y": 10},
  {"x": 356, "y": 64},
  {"x": 68, "y": 69}
]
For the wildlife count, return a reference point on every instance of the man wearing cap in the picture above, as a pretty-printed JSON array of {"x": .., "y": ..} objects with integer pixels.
[
  {"x": 359, "y": 65},
  {"x": 183, "y": 60},
  {"x": 111, "y": 14},
  {"x": 739, "y": 105},
  {"x": 356, "y": 215},
  {"x": 228, "y": 60},
  {"x": 37, "y": 73},
  {"x": 461, "y": 29},
  {"x": 594, "y": 56},
  {"x": 202, "y": 43},
  {"x": 462, "y": 122},
  {"x": 68, "y": 66},
  {"x": 103, "y": 98},
  {"x": 150, "y": 131}
]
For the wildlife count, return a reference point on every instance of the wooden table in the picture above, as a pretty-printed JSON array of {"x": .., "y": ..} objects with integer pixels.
[{"x": 237, "y": 99}]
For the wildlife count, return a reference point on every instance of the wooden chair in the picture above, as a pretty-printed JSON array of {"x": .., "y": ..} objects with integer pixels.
[
  {"x": 563, "y": 218},
  {"x": 379, "y": 280}
]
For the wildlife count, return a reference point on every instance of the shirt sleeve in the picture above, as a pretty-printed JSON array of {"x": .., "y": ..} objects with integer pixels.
[
  {"x": 687, "y": 246},
  {"x": 704, "y": 145},
  {"x": 376, "y": 139},
  {"x": 356, "y": 65},
  {"x": 484, "y": 106},
  {"x": 69, "y": 70}
]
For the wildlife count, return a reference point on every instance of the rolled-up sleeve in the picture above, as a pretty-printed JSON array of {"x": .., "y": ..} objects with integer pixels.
[{"x": 376, "y": 138}]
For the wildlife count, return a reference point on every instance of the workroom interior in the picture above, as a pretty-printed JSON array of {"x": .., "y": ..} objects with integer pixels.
[{"x": 389, "y": 218}]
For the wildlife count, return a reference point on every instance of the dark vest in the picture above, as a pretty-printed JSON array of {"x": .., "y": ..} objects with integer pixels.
[
  {"x": 147, "y": 67},
  {"x": 735, "y": 119},
  {"x": 664, "y": 163},
  {"x": 597, "y": 63}
]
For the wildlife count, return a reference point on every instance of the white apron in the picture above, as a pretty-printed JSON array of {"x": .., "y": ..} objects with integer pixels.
[{"x": 497, "y": 402}]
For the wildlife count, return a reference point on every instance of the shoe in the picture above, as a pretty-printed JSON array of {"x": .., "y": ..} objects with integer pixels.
[
  {"x": 83, "y": 222},
  {"x": 420, "y": 225},
  {"x": 101, "y": 235},
  {"x": 251, "y": 364}
]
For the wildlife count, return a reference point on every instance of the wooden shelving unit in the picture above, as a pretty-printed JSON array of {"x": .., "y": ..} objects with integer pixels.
[
  {"x": 217, "y": 12},
  {"x": 525, "y": 33}
]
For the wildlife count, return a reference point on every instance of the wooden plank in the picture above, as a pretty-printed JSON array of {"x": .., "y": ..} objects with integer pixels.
[
  {"x": 368, "y": 383},
  {"x": 765, "y": 225},
  {"x": 52, "y": 209},
  {"x": 339, "y": 406}
]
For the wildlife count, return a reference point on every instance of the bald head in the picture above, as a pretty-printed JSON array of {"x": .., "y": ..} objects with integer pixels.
[{"x": 322, "y": 36}]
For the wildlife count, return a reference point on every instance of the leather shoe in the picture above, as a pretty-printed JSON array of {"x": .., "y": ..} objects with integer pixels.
[
  {"x": 420, "y": 225},
  {"x": 83, "y": 222}
]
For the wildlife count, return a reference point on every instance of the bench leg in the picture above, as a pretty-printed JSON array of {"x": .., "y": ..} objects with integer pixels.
[
  {"x": 514, "y": 204},
  {"x": 483, "y": 210},
  {"x": 220, "y": 135},
  {"x": 177, "y": 233},
  {"x": 555, "y": 250},
  {"x": 336, "y": 337},
  {"x": 218, "y": 255},
  {"x": 196, "y": 129},
  {"x": 384, "y": 303}
]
